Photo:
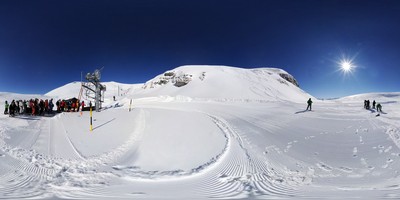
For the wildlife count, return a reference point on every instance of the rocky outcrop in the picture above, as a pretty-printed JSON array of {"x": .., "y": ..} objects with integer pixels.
[
  {"x": 177, "y": 79},
  {"x": 289, "y": 78}
]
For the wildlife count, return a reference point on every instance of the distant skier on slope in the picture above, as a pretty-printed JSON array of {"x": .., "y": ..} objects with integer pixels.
[
  {"x": 373, "y": 104},
  {"x": 309, "y": 102}
]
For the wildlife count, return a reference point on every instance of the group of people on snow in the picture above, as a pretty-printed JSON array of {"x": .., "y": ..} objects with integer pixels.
[
  {"x": 32, "y": 106},
  {"x": 71, "y": 105},
  {"x": 36, "y": 107},
  {"x": 367, "y": 105}
]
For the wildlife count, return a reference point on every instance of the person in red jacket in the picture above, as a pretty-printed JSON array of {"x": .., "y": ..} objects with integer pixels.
[
  {"x": 62, "y": 105},
  {"x": 83, "y": 105},
  {"x": 46, "y": 106},
  {"x": 73, "y": 106},
  {"x": 33, "y": 108}
]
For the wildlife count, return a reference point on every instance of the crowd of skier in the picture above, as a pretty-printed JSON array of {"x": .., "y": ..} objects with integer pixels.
[{"x": 36, "y": 107}]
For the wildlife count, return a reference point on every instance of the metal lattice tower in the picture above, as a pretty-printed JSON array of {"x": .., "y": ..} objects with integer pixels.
[{"x": 94, "y": 89}]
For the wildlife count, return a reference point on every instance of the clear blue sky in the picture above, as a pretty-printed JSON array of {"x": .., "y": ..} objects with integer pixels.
[{"x": 45, "y": 44}]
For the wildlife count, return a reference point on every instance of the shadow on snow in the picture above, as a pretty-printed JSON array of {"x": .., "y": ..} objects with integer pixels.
[
  {"x": 303, "y": 111},
  {"x": 103, "y": 124}
]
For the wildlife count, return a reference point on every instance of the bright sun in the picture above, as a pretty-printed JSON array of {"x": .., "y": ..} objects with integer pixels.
[{"x": 346, "y": 65}]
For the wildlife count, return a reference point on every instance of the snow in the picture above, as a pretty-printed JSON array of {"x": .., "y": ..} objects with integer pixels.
[{"x": 227, "y": 133}]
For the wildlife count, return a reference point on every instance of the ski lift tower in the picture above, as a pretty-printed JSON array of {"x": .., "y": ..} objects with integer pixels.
[{"x": 95, "y": 88}]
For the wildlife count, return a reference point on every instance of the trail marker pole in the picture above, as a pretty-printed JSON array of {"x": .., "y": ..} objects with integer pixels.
[
  {"x": 130, "y": 106},
  {"x": 91, "y": 123}
]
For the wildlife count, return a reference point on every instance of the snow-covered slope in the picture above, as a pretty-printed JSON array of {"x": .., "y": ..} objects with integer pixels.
[
  {"x": 10, "y": 96},
  {"x": 373, "y": 96},
  {"x": 229, "y": 83},
  {"x": 260, "y": 145}
]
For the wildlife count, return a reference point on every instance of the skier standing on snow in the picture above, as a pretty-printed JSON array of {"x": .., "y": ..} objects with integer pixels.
[
  {"x": 73, "y": 105},
  {"x": 78, "y": 105},
  {"x": 21, "y": 107},
  {"x": 58, "y": 105},
  {"x": 51, "y": 106},
  {"x": 373, "y": 104},
  {"x": 6, "y": 108},
  {"x": 62, "y": 105},
  {"x": 83, "y": 105},
  {"x": 69, "y": 106},
  {"x": 12, "y": 108},
  {"x": 46, "y": 106},
  {"x": 379, "y": 107},
  {"x": 41, "y": 107},
  {"x": 16, "y": 107},
  {"x": 25, "y": 107},
  {"x": 309, "y": 102},
  {"x": 31, "y": 107}
]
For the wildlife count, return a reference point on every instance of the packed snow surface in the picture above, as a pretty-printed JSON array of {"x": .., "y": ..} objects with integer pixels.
[{"x": 204, "y": 132}]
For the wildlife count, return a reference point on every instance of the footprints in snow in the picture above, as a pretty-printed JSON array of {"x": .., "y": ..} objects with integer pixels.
[
  {"x": 289, "y": 145},
  {"x": 388, "y": 162},
  {"x": 361, "y": 140},
  {"x": 362, "y": 136},
  {"x": 355, "y": 151},
  {"x": 394, "y": 135}
]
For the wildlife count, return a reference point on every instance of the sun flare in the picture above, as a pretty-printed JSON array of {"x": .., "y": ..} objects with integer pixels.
[{"x": 346, "y": 65}]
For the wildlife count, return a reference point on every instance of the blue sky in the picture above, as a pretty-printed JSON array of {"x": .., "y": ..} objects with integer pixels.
[{"x": 46, "y": 44}]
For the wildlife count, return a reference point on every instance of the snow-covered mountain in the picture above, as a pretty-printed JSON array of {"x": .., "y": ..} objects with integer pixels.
[
  {"x": 221, "y": 82},
  {"x": 206, "y": 82}
]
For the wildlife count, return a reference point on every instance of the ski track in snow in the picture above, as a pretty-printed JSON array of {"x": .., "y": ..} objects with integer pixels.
[
  {"x": 48, "y": 163},
  {"x": 239, "y": 175},
  {"x": 45, "y": 174}
]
